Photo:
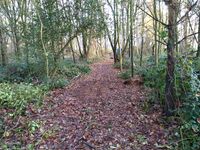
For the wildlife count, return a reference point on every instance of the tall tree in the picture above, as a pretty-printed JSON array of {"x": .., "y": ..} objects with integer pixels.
[
  {"x": 170, "y": 91},
  {"x": 155, "y": 32},
  {"x": 2, "y": 48},
  {"x": 131, "y": 39},
  {"x": 198, "y": 49},
  {"x": 142, "y": 40}
]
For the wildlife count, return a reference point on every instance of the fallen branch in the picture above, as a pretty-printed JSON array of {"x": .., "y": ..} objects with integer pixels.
[{"x": 84, "y": 141}]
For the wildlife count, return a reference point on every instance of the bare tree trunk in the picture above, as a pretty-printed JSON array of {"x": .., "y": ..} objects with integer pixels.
[
  {"x": 2, "y": 48},
  {"x": 73, "y": 54},
  {"x": 185, "y": 27},
  {"x": 115, "y": 32},
  {"x": 131, "y": 33},
  {"x": 142, "y": 42},
  {"x": 84, "y": 41},
  {"x": 160, "y": 27},
  {"x": 155, "y": 33},
  {"x": 89, "y": 42},
  {"x": 198, "y": 49},
  {"x": 16, "y": 44},
  {"x": 79, "y": 47},
  {"x": 170, "y": 86},
  {"x": 105, "y": 43}
]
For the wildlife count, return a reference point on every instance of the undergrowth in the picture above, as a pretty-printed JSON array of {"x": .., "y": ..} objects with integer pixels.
[
  {"x": 126, "y": 65},
  {"x": 186, "y": 135},
  {"x": 22, "y": 85},
  {"x": 60, "y": 75}
]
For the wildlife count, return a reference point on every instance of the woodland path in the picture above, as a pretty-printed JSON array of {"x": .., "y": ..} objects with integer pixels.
[{"x": 98, "y": 111}]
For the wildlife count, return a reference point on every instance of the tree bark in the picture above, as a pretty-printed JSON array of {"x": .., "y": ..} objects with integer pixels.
[
  {"x": 142, "y": 42},
  {"x": 170, "y": 86},
  {"x": 73, "y": 53},
  {"x": 198, "y": 49},
  {"x": 79, "y": 47},
  {"x": 131, "y": 33},
  {"x": 2, "y": 48},
  {"x": 155, "y": 33}
]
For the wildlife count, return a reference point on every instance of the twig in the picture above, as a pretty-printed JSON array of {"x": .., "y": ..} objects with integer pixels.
[
  {"x": 84, "y": 141},
  {"x": 164, "y": 24},
  {"x": 193, "y": 34},
  {"x": 185, "y": 15},
  {"x": 11, "y": 128}
]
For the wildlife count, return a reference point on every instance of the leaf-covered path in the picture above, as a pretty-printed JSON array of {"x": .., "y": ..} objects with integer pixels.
[{"x": 98, "y": 111}]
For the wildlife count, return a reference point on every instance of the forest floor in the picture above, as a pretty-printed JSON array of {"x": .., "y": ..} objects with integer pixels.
[{"x": 97, "y": 111}]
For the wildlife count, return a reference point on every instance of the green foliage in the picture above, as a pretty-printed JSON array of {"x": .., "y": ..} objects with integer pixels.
[
  {"x": 33, "y": 126},
  {"x": 56, "y": 83},
  {"x": 188, "y": 89},
  {"x": 163, "y": 34},
  {"x": 18, "y": 96},
  {"x": 126, "y": 65},
  {"x": 21, "y": 72},
  {"x": 125, "y": 75},
  {"x": 196, "y": 66},
  {"x": 187, "y": 86},
  {"x": 70, "y": 70},
  {"x": 64, "y": 71},
  {"x": 154, "y": 77},
  {"x": 13, "y": 72}
]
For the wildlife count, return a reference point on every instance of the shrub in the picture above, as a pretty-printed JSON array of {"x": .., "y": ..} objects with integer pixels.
[
  {"x": 34, "y": 73},
  {"x": 125, "y": 75},
  {"x": 187, "y": 86},
  {"x": 126, "y": 65},
  {"x": 18, "y": 96},
  {"x": 70, "y": 70},
  {"x": 188, "y": 89},
  {"x": 21, "y": 72},
  {"x": 56, "y": 83}
]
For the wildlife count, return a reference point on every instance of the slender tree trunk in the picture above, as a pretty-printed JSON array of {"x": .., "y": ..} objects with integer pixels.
[
  {"x": 170, "y": 85},
  {"x": 16, "y": 44},
  {"x": 73, "y": 54},
  {"x": 198, "y": 49},
  {"x": 185, "y": 27},
  {"x": 45, "y": 52},
  {"x": 131, "y": 33},
  {"x": 115, "y": 32},
  {"x": 105, "y": 43},
  {"x": 160, "y": 29},
  {"x": 128, "y": 28},
  {"x": 2, "y": 48},
  {"x": 155, "y": 33},
  {"x": 79, "y": 47},
  {"x": 142, "y": 42},
  {"x": 84, "y": 41},
  {"x": 123, "y": 37}
]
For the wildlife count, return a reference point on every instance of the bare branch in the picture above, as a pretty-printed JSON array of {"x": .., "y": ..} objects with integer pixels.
[
  {"x": 193, "y": 34},
  {"x": 110, "y": 6},
  {"x": 164, "y": 24},
  {"x": 186, "y": 14}
]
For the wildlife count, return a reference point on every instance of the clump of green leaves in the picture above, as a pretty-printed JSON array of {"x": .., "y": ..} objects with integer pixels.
[
  {"x": 188, "y": 89},
  {"x": 125, "y": 75},
  {"x": 56, "y": 83},
  {"x": 60, "y": 75},
  {"x": 33, "y": 126},
  {"x": 18, "y": 96},
  {"x": 65, "y": 71},
  {"x": 69, "y": 69},
  {"x": 126, "y": 65}
]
